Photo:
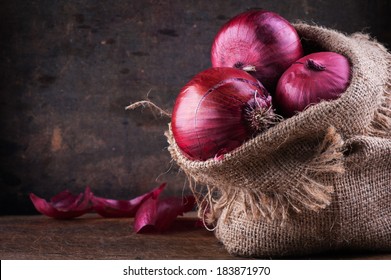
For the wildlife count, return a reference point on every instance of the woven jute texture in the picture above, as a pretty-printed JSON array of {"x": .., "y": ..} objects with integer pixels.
[
  {"x": 358, "y": 218},
  {"x": 320, "y": 180}
]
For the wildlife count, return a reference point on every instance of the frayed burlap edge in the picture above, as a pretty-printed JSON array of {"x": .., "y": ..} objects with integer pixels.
[
  {"x": 381, "y": 123},
  {"x": 306, "y": 192}
]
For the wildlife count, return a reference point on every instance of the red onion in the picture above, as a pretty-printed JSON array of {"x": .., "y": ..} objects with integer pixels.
[
  {"x": 260, "y": 42},
  {"x": 218, "y": 110},
  {"x": 311, "y": 79}
]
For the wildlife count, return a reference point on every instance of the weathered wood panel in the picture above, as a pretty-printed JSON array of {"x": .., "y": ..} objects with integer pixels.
[{"x": 68, "y": 69}]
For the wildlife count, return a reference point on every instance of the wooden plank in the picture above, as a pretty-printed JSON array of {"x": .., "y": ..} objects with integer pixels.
[{"x": 93, "y": 237}]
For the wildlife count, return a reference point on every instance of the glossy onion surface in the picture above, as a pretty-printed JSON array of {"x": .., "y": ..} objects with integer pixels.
[
  {"x": 211, "y": 113},
  {"x": 313, "y": 78},
  {"x": 260, "y": 42}
]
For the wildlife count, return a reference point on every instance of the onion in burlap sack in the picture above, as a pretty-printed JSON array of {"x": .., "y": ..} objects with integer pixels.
[{"x": 320, "y": 180}]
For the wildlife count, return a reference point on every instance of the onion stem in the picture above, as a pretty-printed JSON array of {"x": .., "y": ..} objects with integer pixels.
[
  {"x": 249, "y": 68},
  {"x": 315, "y": 66}
]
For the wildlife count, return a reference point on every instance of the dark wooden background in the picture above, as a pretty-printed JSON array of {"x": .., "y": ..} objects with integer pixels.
[{"x": 68, "y": 69}]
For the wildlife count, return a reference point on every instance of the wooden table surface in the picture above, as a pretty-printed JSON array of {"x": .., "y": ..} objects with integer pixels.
[{"x": 93, "y": 237}]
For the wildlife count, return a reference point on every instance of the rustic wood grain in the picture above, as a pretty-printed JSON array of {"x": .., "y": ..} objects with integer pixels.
[{"x": 93, "y": 237}]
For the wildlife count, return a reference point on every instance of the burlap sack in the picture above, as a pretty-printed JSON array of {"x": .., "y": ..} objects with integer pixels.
[
  {"x": 358, "y": 218},
  {"x": 320, "y": 180}
]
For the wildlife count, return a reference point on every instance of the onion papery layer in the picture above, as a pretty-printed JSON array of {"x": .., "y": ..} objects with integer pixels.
[
  {"x": 310, "y": 80},
  {"x": 216, "y": 112},
  {"x": 260, "y": 42}
]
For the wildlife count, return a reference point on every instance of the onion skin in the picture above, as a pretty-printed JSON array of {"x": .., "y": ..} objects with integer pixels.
[
  {"x": 260, "y": 42},
  {"x": 218, "y": 110},
  {"x": 313, "y": 78}
]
